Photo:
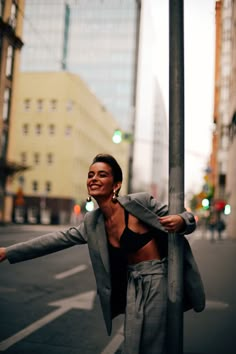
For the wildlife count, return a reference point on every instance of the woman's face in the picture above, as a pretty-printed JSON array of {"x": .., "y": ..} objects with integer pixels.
[{"x": 100, "y": 182}]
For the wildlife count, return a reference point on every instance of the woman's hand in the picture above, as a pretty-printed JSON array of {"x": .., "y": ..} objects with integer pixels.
[
  {"x": 172, "y": 223},
  {"x": 3, "y": 254}
]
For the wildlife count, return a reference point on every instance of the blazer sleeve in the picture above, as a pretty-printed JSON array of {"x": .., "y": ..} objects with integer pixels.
[
  {"x": 161, "y": 209},
  {"x": 46, "y": 244}
]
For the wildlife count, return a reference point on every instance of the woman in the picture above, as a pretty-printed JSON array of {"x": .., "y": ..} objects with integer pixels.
[{"x": 127, "y": 241}]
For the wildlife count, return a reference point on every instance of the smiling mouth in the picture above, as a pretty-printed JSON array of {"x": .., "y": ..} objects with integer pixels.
[{"x": 94, "y": 186}]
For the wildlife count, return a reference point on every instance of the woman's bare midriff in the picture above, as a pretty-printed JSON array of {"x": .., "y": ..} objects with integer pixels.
[{"x": 146, "y": 253}]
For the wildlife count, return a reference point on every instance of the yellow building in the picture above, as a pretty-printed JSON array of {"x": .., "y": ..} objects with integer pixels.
[{"x": 58, "y": 127}]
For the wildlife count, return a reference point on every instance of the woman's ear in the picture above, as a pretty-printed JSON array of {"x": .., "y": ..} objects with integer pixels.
[{"x": 117, "y": 187}]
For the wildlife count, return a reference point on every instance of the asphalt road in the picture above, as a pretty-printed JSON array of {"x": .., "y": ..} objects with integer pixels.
[
  {"x": 213, "y": 330},
  {"x": 49, "y": 305}
]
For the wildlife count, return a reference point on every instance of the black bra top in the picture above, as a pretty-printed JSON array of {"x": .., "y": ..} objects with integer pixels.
[{"x": 131, "y": 241}]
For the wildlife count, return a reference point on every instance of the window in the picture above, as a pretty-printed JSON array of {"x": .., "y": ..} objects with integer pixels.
[
  {"x": 48, "y": 186},
  {"x": 35, "y": 186},
  {"x": 39, "y": 105},
  {"x": 21, "y": 180},
  {"x": 51, "y": 129},
  {"x": 38, "y": 129},
  {"x": 27, "y": 104},
  {"x": 6, "y": 104},
  {"x": 9, "y": 61},
  {"x": 25, "y": 129},
  {"x": 69, "y": 105},
  {"x": 50, "y": 158},
  {"x": 68, "y": 130},
  {"x": 53, "y": 105},
  {"x": 12, "y": 18},
  {"x": 23, "y": 157},
  {"x": 36, "y": 158}
]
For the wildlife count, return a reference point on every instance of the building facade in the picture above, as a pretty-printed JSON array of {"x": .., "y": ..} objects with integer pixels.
[
  {"x": 99, "y": 41},
  {"x": 223, "y": 168},
  {"x": 160, "y": 149},
  {"x": 59, "y": 126},
  {"x": 231, "y": 168},
  {"x": 213, "y": 175},
  {"x": 151, "y": 123},
  {"x": 94, "y": 39},
  {"x": 11, "y": 23}
]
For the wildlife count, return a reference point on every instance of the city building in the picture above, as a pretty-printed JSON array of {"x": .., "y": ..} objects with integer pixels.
[
  {"x": 150, "y": 172},
  {"x": 152, "y": 149},
  {"x": 213, "y": 175},
  {"x": 224, "y": 99},
  {"x": 222, "y": 165},
  {"x": 159, "y": 185},
  {"x": 58, "y": 126},
  {"x": 11, "y": 24},
  {"x": 231, "y": 167},
  {"x": 98, "y": 40}
]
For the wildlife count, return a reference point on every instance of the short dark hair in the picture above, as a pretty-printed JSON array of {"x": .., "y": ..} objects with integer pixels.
[{"x": 111, "y": 161}]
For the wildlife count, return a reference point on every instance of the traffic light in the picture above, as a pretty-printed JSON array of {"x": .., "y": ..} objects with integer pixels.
[
  {"x": 77, "y": 209},
  {"x": 227, "y": 209},
  {"x": 117, "y": 136},
  {"x": 205, "y": 203}
]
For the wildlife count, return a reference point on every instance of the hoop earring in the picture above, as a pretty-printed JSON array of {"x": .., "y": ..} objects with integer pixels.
[
  {"x": 89, "y": 199},
  {"x": 114, "y": 197}
]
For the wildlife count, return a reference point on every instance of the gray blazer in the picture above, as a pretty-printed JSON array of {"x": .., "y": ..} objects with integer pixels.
[{"x": 92, "y": 231}]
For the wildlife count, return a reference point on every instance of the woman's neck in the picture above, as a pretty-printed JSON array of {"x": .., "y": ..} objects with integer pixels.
[{"x": 108, "y": 208}]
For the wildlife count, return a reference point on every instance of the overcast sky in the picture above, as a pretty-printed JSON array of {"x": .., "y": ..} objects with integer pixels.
[{"x": 199, "y": 37}]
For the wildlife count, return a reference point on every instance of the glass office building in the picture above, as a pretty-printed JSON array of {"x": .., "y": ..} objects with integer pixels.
[{"x": 96, "y": 39}]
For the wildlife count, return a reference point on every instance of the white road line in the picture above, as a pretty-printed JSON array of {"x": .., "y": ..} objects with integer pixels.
[
  {"x": 115, "y": 343},
  {"x": 216, "y": 305},
  {"x": 5, "y": 344},
  {"x": 7, "y": 290},
  {"x": 82, "y": 301},
  {"x": 70, "y": 272}
]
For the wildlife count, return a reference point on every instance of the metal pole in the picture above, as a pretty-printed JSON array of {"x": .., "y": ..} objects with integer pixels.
[{"x": 176, "y": 175}]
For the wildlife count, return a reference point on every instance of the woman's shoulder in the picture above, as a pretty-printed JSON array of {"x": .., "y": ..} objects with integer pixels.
[{"x": 139, "y": 197}]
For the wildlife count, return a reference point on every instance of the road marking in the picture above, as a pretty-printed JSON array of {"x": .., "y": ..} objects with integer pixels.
[
  {"x": 115, "y": 343},
  {"x": 216, "y": 305},
  {"x": 82, "y": 301},
  {"x": 70, "y": 272},
  {"x": 7, "y": 290}
]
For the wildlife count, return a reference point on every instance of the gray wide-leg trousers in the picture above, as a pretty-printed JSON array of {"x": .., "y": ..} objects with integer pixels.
[{"x": 145, "y": 316}]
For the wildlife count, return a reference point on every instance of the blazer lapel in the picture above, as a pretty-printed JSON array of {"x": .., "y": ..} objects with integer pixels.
[{"x": 101, "y": 237}]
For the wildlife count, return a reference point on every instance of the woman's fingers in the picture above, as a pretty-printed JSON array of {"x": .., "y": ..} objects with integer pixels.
[{"x": 172, "y": 222}]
